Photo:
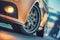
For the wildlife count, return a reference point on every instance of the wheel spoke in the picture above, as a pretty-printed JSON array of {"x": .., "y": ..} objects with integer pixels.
[{"x": 32, "y": 20}]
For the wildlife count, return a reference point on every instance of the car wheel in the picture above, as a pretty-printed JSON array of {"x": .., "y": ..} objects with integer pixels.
[{"x": 32, "y": 23}]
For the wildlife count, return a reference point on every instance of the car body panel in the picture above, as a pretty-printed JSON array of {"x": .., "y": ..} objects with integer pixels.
[{"x": 24, "y": 7}]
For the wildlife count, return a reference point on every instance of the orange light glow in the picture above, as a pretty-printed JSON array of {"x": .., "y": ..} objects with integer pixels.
[
  {"x": 50, "y": 24},
  {"x": 9, "y": 9},
  {"x": 6, "y": 36}
]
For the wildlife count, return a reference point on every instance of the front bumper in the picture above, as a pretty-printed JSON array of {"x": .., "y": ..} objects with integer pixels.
[{"x": 9, "y": 20}]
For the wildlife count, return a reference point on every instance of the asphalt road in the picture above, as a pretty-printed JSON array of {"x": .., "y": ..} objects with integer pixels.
[{"x": 7, "y": 34}]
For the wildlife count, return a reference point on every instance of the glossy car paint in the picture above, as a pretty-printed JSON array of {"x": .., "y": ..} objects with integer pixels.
[{"x": 24, "y": 7}]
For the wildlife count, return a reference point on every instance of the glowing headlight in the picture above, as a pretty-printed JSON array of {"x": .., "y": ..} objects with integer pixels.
[{"x": 9, "y": 9}]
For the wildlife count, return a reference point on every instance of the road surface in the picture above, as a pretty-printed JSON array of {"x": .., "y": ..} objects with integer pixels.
[{"x": 7, "y": 34}]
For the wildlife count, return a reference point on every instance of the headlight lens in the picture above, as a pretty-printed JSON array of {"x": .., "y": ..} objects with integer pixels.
[{"x": 9, "y": 9}]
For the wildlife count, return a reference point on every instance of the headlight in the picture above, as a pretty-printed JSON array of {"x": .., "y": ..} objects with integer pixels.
[{"x": 9, "y": 9}]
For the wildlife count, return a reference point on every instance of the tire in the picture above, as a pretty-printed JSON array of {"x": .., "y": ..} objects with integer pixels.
[{"x": 32, "y": 23}]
